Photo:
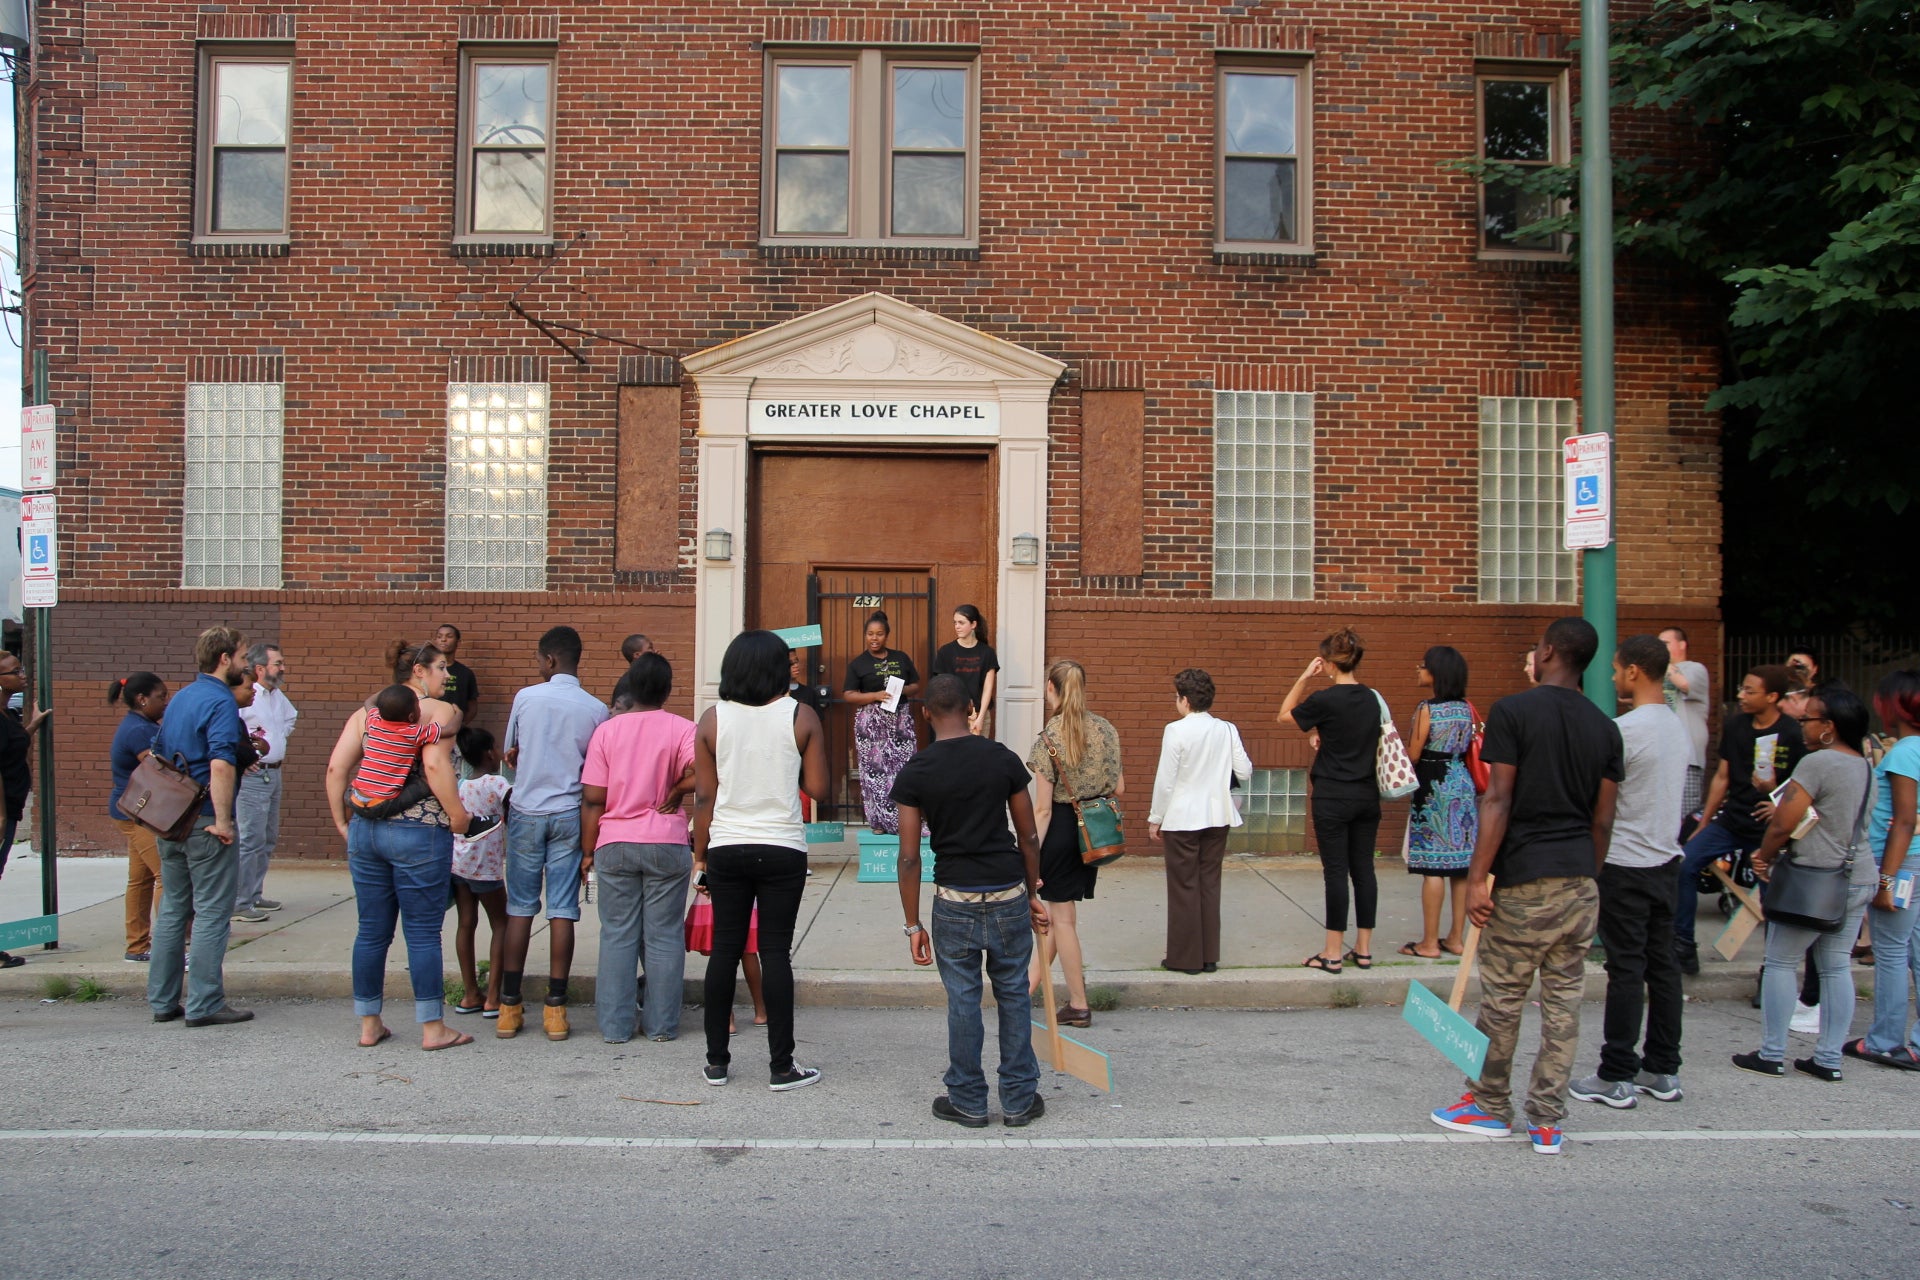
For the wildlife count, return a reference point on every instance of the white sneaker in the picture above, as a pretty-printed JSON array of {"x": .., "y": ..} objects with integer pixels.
[{"x": 1806, "y": 1019}]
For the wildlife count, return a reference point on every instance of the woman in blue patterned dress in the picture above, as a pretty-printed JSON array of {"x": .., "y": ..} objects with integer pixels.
[{"x": 1445, "y": 819}]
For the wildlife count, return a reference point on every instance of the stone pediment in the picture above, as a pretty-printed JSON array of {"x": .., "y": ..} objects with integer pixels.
[{"x": 875, "y": 340}]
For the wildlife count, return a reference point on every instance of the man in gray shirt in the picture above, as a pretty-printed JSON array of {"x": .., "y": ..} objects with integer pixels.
[
  {"x": 1636, "y": 890},
  {"x": 546, "y": 745},
  {"x": 1687, "y": 696}
]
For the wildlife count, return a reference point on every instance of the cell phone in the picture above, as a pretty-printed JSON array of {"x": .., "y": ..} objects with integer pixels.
[
  {"x": 1903, "y": 890},
  {"x": 700, "y": 881}
]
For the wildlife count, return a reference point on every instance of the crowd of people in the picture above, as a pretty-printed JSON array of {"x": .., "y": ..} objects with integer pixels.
[{"x": 1545, "y": 826}]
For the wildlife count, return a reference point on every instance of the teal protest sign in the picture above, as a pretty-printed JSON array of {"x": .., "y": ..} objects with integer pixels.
[
  {"x": 1442, "y": 1027},
  {"x": 31, "y": 932},
  {"x": 826, "y": 832},
  {"x": 800, "y": 637}
]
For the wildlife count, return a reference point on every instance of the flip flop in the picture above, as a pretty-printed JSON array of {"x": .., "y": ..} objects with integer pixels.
[
  {"x": 386, "y": 1034},
  {"x": 455, "y": 1043},
  {"x": 465, "y": 1009},
  {"x": 1413, "y": 949},
  {"x": 1320, "y": 962},
  {"x": 1452, "y": 951},
  {"x": 489, "y": 1013}
]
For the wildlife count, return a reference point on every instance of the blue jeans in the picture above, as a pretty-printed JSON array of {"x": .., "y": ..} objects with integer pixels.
[
  {"x": 1001, "y": 935},
  {"x": 1780, "y": 981},
  {"x": 543, "y": 845},
  {"x": 197, "y": 876},
  {"x": 1894, "y": 955},
  {"x": 643, "y": 903},
  {"x": 400, "y": 869},
  {"x": 1713, "y": 843}
]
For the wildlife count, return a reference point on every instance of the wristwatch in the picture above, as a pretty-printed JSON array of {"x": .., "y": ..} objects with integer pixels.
[{"x": 911, "y": 929}]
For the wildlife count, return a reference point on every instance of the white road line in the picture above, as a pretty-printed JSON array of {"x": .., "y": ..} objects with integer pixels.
[{"x": 928, "y": 1144}]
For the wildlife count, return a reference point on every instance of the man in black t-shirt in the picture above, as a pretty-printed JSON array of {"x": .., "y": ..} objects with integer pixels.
[
  {"x": 986, "y": 901},
  {"x": 1758, "y": 750},
  {"x": 1545, "y": 823},
  {"x": 463, "y": 687}
]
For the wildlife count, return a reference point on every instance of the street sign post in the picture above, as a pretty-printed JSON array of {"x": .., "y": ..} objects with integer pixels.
[{"x": 1589, "y": 491}]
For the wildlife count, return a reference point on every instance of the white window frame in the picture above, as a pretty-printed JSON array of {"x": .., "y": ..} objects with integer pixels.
[
  {"x": 207, "y": 152},
  {"x": 471, "y": 59},
  {"x": 1271, "y": 464},
  {"x": 869, "y": 145},
  {"x": 231, "y": 496},
  {"x": 496, "y": 486},
  {"x": 1559, "y": 129},
  {"x": 1522, "y": 515},
  {"x": 1301, "y": 72}
]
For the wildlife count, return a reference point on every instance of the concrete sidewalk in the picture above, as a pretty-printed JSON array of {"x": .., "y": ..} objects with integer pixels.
[{"x": 848, "y": 950}]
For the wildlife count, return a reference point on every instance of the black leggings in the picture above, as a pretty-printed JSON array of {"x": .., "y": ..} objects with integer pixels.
[
  {"x": 1347, "y": 831},
  {"x": 738, "y": 875}
]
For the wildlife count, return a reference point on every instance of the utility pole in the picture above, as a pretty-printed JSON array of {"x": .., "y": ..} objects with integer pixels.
[{"x": 1599, "y": 589}]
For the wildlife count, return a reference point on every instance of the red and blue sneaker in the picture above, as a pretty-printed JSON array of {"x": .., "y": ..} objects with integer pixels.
[
  {"x": 1546, "y": 1138},
  {"x": 1467, "y": 1117}
]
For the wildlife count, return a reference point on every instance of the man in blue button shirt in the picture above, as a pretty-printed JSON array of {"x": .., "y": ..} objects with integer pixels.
[
  {"x": 546, "y": 743},
  {"x": 198, "y": 875}
]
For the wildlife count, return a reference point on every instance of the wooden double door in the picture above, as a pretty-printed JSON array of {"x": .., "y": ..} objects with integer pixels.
[{"x": 838, "y": 534}]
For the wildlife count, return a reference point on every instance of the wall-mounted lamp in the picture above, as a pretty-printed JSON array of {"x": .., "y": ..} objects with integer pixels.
[
  {"x": 719, "y": 546},
  {"x": 1026, "y": 549}
]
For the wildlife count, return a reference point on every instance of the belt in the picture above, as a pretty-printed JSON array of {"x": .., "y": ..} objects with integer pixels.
[
  {"x": 275, "y": 765},
  {"x": 991, "y": 895}
]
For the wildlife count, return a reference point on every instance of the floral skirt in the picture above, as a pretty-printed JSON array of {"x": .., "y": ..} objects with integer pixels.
[
  {"x": 1445, "y": 819},
  {"x": 884, "y": 741}
]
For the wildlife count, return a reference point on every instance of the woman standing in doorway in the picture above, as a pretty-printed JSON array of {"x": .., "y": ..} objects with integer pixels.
[
  {"x": 1077, "y": 757},
  {"x": 884, "y": 739},
  {"x": 970, "y": 657},
  {"x": 1346, "y": 795},
  {"x": 1445, "y": 819}
]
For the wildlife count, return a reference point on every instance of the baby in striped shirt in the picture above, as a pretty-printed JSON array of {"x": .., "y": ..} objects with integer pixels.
[{"x": 393, "y": 741}]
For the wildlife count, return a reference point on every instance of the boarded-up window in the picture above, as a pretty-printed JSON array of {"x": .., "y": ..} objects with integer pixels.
[
  {"x": 1112, "y": 482},
  {"x": 647, "y": 512}
]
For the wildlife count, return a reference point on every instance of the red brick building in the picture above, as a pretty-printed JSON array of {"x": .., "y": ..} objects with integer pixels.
[{"x": 1163, "y": 333}]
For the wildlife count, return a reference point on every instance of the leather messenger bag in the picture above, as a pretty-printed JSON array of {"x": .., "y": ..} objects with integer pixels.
[{"x": 164, "y": 797}]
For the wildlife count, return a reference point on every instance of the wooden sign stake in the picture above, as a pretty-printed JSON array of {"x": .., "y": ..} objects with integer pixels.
[
  {"x": 1064, "y": 1053},
  {"x": 1744, "y": 921}
]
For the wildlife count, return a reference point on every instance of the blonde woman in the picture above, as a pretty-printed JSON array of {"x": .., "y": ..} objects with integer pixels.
[{"x": 1077, "y": 757}]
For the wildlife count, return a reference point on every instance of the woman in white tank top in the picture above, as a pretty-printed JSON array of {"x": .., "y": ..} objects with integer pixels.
[{"x": 755, "y": 751}]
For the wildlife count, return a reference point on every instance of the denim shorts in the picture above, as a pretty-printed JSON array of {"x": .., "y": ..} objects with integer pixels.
[{"x": 544, "y": 845}]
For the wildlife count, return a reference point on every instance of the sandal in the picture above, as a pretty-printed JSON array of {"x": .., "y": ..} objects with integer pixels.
[
  {"x": 1361, "y": 959},
  {"x": 1413, "y": 949},
  {"x": 468, "y": 1008},
  {"x": 455, "y": 1043},
  {"x": 1320, "y": 962},
  {"x": 386, "y": 1034},
  {"x": 1452, "y": 951}
]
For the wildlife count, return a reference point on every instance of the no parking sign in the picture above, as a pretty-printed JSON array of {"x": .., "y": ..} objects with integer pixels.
[{"x": 1589, "y": 491}]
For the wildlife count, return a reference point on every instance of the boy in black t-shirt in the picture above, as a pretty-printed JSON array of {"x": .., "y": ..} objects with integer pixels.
[
  {"x": 986, "y": 901},
  {"x": 1545, "y": 824},
  {"x": 1736, "y": 809}
]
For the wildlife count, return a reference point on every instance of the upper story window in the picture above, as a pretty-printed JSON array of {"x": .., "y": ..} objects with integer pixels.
[
  {"x": 1523, "y": 559},
  {"x": 230, "y": 500},
  {"x": 1262, "y": 179},
  {"x": 1523, "y": 124},
  {"x": 245, "y": 113},
  {"x": 496, "y": 487},
  {"x": 506, "y": 146},
  {"x": 1262, "y": 495},
  {"x": 871, "y": 148}
]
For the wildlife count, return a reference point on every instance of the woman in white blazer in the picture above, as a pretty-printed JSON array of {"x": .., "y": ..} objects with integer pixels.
[{"x": 1192, "y": 811}]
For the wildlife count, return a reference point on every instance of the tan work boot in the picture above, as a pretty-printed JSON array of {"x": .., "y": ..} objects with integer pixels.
[
  {"x": 556, "y": 1018},
  {"x": 511, "y": 1016}
]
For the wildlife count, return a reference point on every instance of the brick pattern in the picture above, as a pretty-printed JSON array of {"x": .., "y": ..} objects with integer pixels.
[{"x": 224, "y": 26}]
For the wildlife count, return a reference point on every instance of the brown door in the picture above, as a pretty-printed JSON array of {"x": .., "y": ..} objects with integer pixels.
[{"x": 833, "y": 529}]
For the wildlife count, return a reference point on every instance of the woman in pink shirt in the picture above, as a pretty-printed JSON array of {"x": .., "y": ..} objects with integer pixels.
[{"x": 639, "y": 768}]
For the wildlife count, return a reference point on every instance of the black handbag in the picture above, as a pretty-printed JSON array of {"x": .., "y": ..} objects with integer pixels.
[{"x": 1814, "y": 897}]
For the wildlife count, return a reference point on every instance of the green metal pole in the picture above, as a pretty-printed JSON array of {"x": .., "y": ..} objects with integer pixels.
[
  {"x": 43, "y": 696},
  {"x": 1596, "y": 321}
]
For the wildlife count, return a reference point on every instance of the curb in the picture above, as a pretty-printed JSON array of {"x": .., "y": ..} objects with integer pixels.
[{"x": 1252, "y": 989}]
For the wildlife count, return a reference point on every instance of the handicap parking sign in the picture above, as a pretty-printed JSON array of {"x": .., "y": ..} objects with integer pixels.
[
  {"x": 39, "y": 549},
  {"x": 1586, "y": 491}
]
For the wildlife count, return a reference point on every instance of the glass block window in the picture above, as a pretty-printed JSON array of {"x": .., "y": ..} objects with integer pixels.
[
  {"x": 1274, "y": 812},
  {"x": 230, "y": 507},
  {"x": 497, "y": 486},
  {"x": 1521, "y": 557},
  {"x": 1262, "y": 495}
]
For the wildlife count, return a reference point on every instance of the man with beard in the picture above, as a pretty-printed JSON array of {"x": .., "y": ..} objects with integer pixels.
[
  {"x": 199, "y": 875},
  {"x": 270, "y": 719}
]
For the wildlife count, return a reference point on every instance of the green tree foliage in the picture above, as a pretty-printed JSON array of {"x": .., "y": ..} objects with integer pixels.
[{"x": 1806, "y": 214}]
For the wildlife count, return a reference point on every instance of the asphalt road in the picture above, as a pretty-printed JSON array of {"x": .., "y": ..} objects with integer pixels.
[{"x": 278, "y": 1149}]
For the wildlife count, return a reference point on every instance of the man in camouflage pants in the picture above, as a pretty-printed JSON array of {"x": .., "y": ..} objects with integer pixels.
[{"x": 1545, "y": 823}]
